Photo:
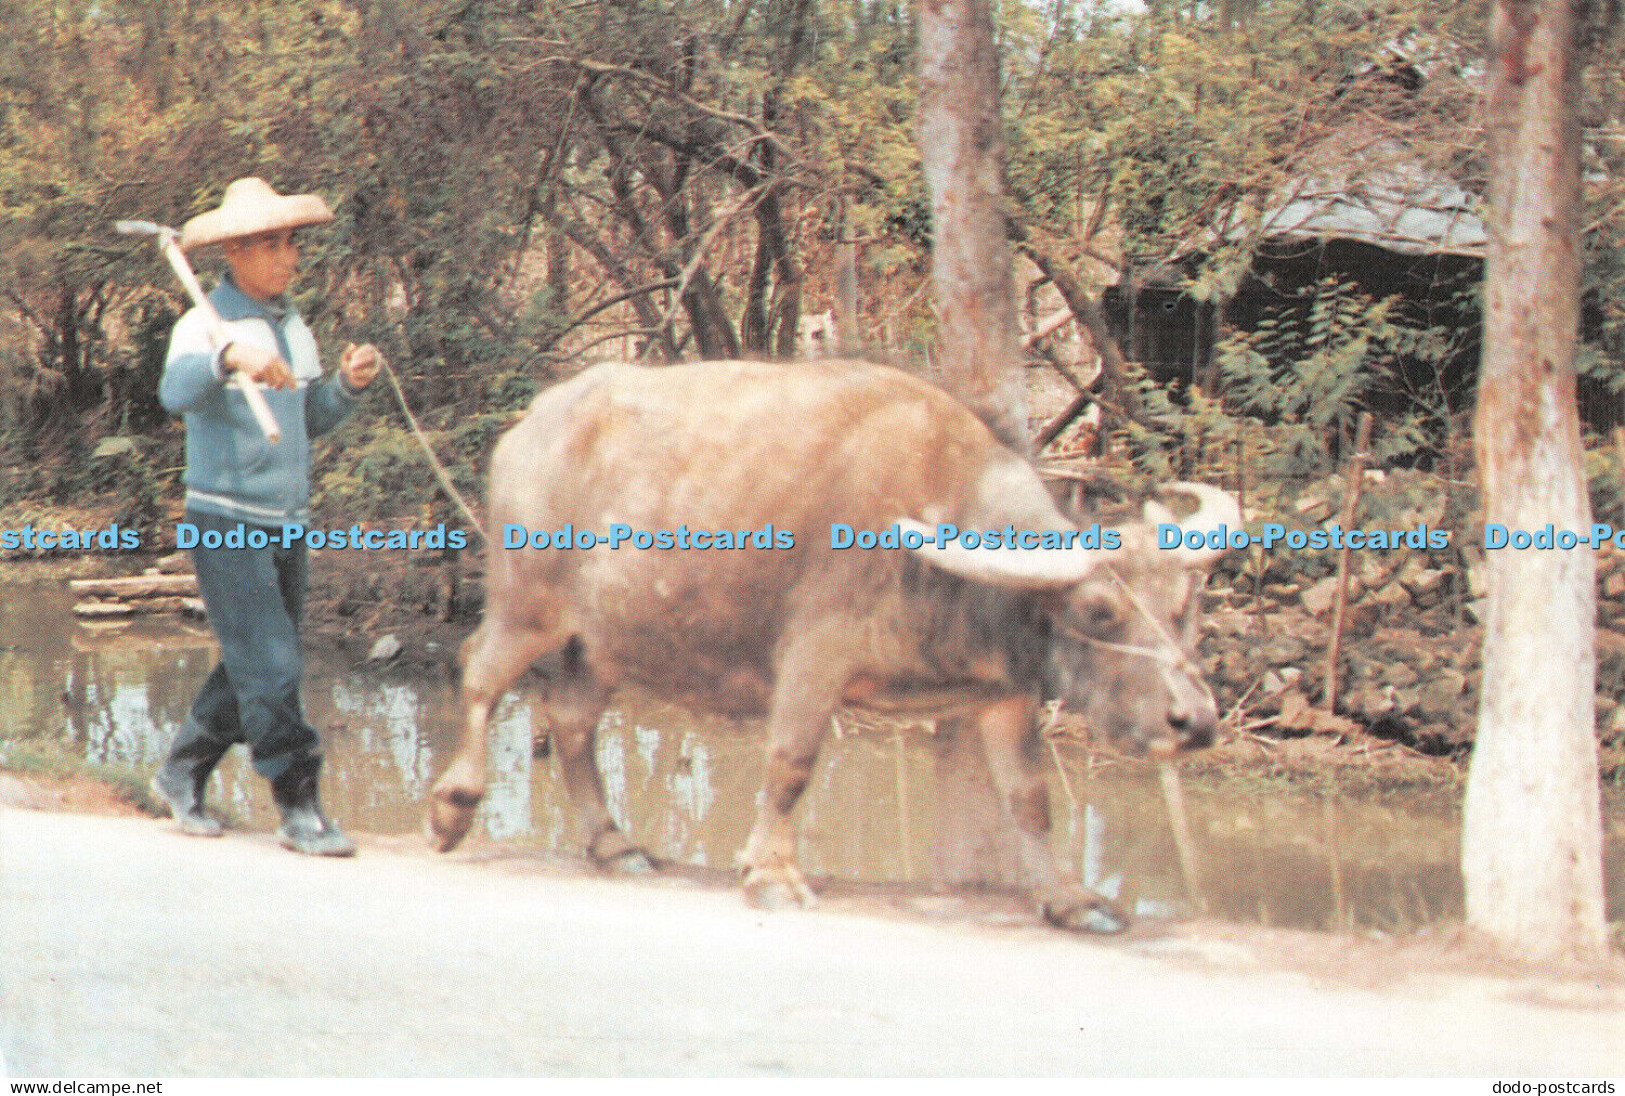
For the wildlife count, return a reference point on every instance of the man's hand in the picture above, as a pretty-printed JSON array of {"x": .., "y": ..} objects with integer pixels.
[
  {"x": 258, "y": 365},
  {"x": 360, "y": 365}
]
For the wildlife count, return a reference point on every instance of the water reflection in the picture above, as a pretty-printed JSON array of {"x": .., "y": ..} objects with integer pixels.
[{"x": 686, "y": 787}]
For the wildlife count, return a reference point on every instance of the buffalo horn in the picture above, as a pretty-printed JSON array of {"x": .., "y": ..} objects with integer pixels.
[{"x": 1026, "y": 570}]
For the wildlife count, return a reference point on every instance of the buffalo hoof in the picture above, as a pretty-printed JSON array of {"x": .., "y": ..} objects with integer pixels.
[
  {"x": 612, "y": 851},
  {"x": 778, "y": 888},
  {"x": 451, "y": 813},
  {"x": 1084, "y": 911}
]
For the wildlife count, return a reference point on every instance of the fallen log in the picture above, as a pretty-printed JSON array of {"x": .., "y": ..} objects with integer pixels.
[
  {"x": 107, "y": 609},
  {"x": 136, "y": 587},
  {"x": 102, "y": 610}
]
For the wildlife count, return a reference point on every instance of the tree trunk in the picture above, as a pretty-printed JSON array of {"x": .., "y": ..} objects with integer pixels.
[
  {"x": 1532, "y": 840},
  {"x": 961, "y": 153}
]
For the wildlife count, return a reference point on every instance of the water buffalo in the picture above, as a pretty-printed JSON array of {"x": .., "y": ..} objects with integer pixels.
[{"x": 752, "y": 457}]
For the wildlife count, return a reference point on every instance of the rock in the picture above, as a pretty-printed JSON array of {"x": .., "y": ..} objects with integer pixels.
[
  {"x": 1228, "y": 622},
  {"x": 1285, "y": 593},
  {"x": 1297, "y": 714},
  {"x": 1421, "y": 581},
  {"x": 1375, "y": 571},
  {"x": 1440, "y": 699},
  {"x": 1478, "y": 581},
  {"x": 1399, "y": 674},
  {"x": 113, "y": 447},
  {"x": 1319, "y": 598},
  {"x": 385, "y": 649},
  {"x": 1284, "y": 649},
  {"x": 1370, "y": 703},
  {"x": 1361, "y": 618},
  {"x": 1613, "y": 586},
  {"x": 1478, "y": 609},
  {"x": 1392, "y": 596},
  {"x": 1273, "y": 684}
]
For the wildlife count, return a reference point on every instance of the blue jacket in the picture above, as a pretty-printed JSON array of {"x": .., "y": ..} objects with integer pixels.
[{"x": 231, "y": 469}]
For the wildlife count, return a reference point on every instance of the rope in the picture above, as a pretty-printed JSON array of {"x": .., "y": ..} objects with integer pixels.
[{"x": 440, "y": 472}]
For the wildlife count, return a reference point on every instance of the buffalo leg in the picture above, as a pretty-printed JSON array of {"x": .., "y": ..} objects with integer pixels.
[
  {"x": 574, "y": 705},
  {"x": 1012, "y": 743},
  {"x": 803, "y": 701},
  {"x": 494, "y": 658}
]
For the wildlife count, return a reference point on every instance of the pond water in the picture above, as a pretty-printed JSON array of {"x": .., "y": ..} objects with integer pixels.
[{"x": 685, "y": 786}]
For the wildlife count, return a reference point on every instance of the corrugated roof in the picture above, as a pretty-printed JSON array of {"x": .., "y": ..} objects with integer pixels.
[{"x": 1378, "y": 194}]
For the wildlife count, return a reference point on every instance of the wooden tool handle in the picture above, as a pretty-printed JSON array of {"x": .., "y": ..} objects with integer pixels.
[{"x": 217, "y": 330}]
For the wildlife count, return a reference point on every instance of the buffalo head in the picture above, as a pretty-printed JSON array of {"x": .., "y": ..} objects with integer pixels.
[{"x": 1122, "y": 624}]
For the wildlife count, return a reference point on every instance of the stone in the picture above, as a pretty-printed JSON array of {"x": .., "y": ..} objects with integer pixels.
[
  {"x": 1399, "y": 674},
  {"x": 1392, "y": 596},
  {"x": 1283, "y": 649},
  {"x": 1284, "y": 593},
  {"x": 385, "y": 649},
  {"x": 1440, "y": 699},
  {"x": 114, "y": 447},
  {"x": 1421, "y": 581},
  {"x": 1369, "y": 702},
  {"x": 1319, "y": 598},
  {"x": 1375, "y": 571}
]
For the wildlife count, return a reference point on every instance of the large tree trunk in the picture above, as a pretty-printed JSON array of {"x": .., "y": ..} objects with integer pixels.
[
  {"x": 961, "y": 153},
  {"x": 979, "y": 352},
  {"x": 1532, "y": 843}
]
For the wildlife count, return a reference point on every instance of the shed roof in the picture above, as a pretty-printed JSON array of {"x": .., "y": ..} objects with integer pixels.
[{"x": 1377, "y": 193}]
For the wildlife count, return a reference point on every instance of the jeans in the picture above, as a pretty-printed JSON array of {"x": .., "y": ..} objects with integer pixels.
[{"x": 255, "y": 599}]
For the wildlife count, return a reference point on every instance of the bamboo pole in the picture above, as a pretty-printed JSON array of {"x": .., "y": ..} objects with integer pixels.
[{"x": 1351, "y": 500}]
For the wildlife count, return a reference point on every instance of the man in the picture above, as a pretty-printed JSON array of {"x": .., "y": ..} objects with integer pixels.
[{"x": 236, "y": 477}]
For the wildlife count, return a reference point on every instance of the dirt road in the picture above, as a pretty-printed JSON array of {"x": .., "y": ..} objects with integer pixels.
[{"x": 128, "y": 950}]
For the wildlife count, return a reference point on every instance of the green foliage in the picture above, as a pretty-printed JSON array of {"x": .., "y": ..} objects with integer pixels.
[
  {"x": 121, "y": 474},
  {"x": 373, "y": 471},
  {"x": 1185, "y": 125},
  {"x": 1310, "y": 369},
  {"x": 521, "y": 185}
]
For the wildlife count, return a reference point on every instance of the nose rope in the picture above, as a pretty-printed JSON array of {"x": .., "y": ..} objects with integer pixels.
[{"x": 1171, "y": 656}]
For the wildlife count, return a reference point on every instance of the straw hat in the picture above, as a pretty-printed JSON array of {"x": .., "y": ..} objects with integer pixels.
[{"x": 251, "y": 207}]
